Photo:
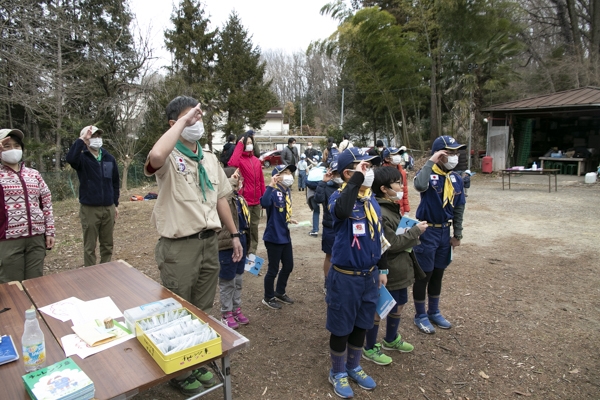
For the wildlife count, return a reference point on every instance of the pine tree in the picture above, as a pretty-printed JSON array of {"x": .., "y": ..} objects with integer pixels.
[{"x": 239, "y": 76}]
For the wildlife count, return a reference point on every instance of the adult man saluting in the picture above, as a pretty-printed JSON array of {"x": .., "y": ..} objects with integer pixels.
[{"x": 98, "y": 175}]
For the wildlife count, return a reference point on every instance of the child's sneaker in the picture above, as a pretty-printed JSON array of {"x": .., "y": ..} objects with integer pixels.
[
  {"x": 240, "y": 318},
  {"x": 376, "y": 355},
  {"x": 205, "y": 377},
  {"x": 284, "y": 298},
  {"x": 189, "y": 386},
  {"x": 422, "y": 322},
  {"x": 228, "y": 319},
  {"x": 398, "y": 344},
  {"x": 361, "y": 378},
  {"x": 341, "y": 387},
  {"x": 439, "y": 320},
  {"x": 272, "y": 303}
]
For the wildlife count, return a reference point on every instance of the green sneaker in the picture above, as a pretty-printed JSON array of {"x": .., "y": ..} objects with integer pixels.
[
  {"x": 399, "y": 345},
  {"x": 204, "y": 376},
  {"x": 188, "y": 386},
  {"x": 376, "y": 355}
]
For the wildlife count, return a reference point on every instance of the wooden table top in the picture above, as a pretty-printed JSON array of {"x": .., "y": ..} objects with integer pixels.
[
  {"x": 561, "y": 159},
  {"x": 530, "y": 171},
  {"x": 12, "y": 323},
  {"x": 126, "y": 368}
]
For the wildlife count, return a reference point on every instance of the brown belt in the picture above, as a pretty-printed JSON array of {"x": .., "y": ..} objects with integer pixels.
[
  {"x": 444, "y": 225},
  {"x": 200, "y": 235},
  {"x": 353, "y": 272}
]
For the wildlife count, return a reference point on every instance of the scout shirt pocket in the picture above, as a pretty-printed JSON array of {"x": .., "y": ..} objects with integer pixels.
[
  {"x": 107, "y": 170},
  {"x": 186, "y": 188}
]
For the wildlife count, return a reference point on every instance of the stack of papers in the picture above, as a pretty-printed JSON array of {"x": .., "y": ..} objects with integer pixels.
[
  {"x": 8, "y": 351},
  {"x": 61, "y": 381}
]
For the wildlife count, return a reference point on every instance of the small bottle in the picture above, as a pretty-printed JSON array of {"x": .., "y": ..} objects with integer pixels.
[
  {"x": 534, "y": 166},
  {"x": 32, "y": 342}
]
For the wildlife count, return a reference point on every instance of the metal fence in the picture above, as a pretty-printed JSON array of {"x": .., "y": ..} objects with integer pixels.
[{"x": 65, "y": 184}]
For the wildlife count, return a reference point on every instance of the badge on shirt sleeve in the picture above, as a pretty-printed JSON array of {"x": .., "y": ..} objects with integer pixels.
[
  {"x": 434, "y": 178},
  {"x": 181, "y": 164},
  {"x": 358, "y": 229},
  {"x": 452, "y": 178}
]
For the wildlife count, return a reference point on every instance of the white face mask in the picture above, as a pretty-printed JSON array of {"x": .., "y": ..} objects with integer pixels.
[
  {"x": 398, "y": 196},
  {"x": 369, "y": 178},
  {"x": 249, "y": 147},
  {"x": 193, "y": 133},
  {"x": 309, "y": 147},
  {"x": 12, "y": 156},
  {"x": 380, "y": 148},
  {"x": 288, "y": 180},
  {"x": 95, "y": 143},
  {"x": 452, "y": 162},
  {"x": 338, "y": 180},
  {"x": 396, "y": 159}
]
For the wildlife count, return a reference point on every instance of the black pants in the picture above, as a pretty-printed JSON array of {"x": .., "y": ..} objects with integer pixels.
[
  {"x": 277, "y": 253},
  {"x": 431, "y": 284}
]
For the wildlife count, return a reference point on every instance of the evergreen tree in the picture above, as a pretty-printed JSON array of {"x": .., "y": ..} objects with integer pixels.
[{"x": 240, "y": 79}]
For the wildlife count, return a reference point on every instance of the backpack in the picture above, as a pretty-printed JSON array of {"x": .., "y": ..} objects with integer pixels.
[
  {"x": 226, "y": 155},
  {"x": 332, "y": 155}
]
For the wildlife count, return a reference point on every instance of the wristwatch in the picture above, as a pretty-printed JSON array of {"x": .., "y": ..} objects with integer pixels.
[
  {"x": 384, "y": 271},
  {"x": 236, "y": 235},
  {"x": 458, "y": 237}
]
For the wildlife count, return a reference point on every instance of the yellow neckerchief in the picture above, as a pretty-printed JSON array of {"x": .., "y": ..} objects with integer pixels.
[
  {"x": 372, "y": 218},
  {"x": 288, "y": 204},
  {"x": 244, "y": 207},
  {"x": 448, "y": 196}
]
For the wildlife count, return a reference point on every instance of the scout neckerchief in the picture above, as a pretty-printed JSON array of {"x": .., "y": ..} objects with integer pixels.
[
  {"x": 288, "y": 204},
  {"x": 244, "y": 207},
  {"x": 202, "y": 175},
  {"x": 99, "y": 156},
  {"x": 370, "y": 212},
  {"x": 448, "y": 196}
]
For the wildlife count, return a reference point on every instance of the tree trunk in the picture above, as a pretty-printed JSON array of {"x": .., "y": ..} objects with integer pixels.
[
  {"x": 59, "y": 101},
  {"x": 126, "y": 163},
  {"x": 595, "y": 28},
  {"x": 433, "y": 116}
]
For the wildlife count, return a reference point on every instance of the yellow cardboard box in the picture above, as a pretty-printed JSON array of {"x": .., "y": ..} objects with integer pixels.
[{"x": 184, "y": 358}]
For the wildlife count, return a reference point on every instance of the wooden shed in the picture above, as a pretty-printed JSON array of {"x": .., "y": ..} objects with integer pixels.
[{"x": 524, "y": 131}]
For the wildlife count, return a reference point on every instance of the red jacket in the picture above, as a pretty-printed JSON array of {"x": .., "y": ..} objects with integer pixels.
[
  {"x": 251, "y": 170},
  {"x": 404, "y": 206}
]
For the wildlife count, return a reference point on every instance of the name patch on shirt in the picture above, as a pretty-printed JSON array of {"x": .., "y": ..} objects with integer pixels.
[
  {"x": 453, "y": 178},
  {"x": 358, "y": 229}
]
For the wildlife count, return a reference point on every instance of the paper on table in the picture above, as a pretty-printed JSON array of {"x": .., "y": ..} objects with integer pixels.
[
  {"x": 91, "y": 310},
  {"x": 90, "y": 334},
  {"x": 72, "y": 344},
  {"x": 64, "y": 309}
]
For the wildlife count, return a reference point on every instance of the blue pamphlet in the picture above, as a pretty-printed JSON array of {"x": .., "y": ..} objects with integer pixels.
[
  {"x": 253, "y": 264},
  {"x": 405, "y": 224},
  {"x": 386, "y": 302},
  {"x": 8, "y": 351}
]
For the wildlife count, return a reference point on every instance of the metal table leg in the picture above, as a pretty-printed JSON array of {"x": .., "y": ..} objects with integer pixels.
[
  {"x": 226, "y": 378},
  {"x": 503, "y": 180}
]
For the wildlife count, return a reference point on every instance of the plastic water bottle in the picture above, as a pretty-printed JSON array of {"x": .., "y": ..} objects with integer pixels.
[
  {"x": 534, "y": 166},
  {"x": 32, "y": 342}
]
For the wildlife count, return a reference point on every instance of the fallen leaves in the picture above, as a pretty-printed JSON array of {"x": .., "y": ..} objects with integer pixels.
[{"x": 483, "y": 375}]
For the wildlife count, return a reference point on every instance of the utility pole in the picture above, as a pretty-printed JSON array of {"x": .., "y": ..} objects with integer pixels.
[
  {"x": 470, "y": 131},
  {"x": 342, "y": 113},
  {"x": 300, "y": 118}
]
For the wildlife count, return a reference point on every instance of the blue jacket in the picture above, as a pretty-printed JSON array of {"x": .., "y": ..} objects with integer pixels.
[
  {"x": 322, "y": 195},
  {"x": 273, "y": 200},
  {"x": 350, "y": 251},
  {"x": 98, "y": 181}
]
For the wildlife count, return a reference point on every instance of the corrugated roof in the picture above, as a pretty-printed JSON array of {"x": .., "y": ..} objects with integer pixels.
[{"x": 587, "y": 96}]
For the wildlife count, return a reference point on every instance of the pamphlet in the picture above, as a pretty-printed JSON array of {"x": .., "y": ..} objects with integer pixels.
[
  {"x": 386, "y": 302},
  {"x": 253, "y": 264},
  {"x": 8, "y": 351},
  {"x": 62, "y": 380},
  {"x": 94, "y": 333},
  {"x": 405, "y": 224}
]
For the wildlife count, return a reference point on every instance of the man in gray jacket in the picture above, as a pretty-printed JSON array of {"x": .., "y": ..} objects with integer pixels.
[{"x": 289, "y": 155}]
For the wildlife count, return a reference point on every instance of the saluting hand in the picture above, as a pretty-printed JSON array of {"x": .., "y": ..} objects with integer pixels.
[
  {"x": 3, "y": 142},
  {"x": 438, "y": 155}
]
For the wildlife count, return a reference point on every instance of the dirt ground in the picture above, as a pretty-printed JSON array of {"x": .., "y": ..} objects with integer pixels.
[{"x": 522, "y": 292}]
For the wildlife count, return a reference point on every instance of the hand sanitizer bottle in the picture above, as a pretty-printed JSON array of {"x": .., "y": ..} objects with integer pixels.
[
  {"x": 32, "y": 342},
  {"x": 534, "y": 166}
]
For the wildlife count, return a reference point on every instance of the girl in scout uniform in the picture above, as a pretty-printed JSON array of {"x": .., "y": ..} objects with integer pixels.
[
  {"x": 353, "y": 279},
  {"x": 442, "y": 206}
]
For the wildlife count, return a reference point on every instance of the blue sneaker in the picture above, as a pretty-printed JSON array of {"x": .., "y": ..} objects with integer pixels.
[
  {"x": 361, "y": 378},
  {"x": 341, "y": 387},
  {"x": 422, "y": 322},
  {"x": 439, "y": 320}
]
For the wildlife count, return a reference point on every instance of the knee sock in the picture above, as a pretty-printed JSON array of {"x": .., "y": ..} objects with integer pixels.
[
  {"x": 338, "y": 361},
  {"x": 391, "y": 330},
  {"x": 354, "y": 354},
  {"x": 372, "y": 336},
  {"x": 420, "y": 307},
  {"x": 434, "y": 302}
]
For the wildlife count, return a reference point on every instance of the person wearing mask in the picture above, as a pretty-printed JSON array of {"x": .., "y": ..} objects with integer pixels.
[
  {"x": 392, "y": 158},
  {"x": 377, "y": 150},
  {"x": 99, "y": 191},
  {"x": 442, "y": 206},
  {"x": 190, "y": 208},
  {"x": 331, "y": 152},
  {"x": 302, "y": 170},
  {"x": 289, "y": 154},
  {"x": 405, "y": 158},
  {"x": 27, "y": 223},
  {"x": 310, "y": 153},
  {"x": 244, "y": 158}
]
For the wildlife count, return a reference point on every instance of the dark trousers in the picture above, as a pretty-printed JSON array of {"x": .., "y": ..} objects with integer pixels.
[{"x": 277, "y": 253}]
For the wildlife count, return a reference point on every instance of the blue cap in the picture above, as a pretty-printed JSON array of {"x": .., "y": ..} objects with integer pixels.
[
  {"x": 352, "y": 155},
  {"x": 446, "y": 143},
  {"x": 333, "y": 166},
  {"x": 280, "y": 168},
  {"x": 390, "y": 151}
]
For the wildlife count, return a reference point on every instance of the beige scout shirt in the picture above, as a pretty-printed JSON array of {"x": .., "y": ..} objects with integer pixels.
[{"x": 180, "y": 209}]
